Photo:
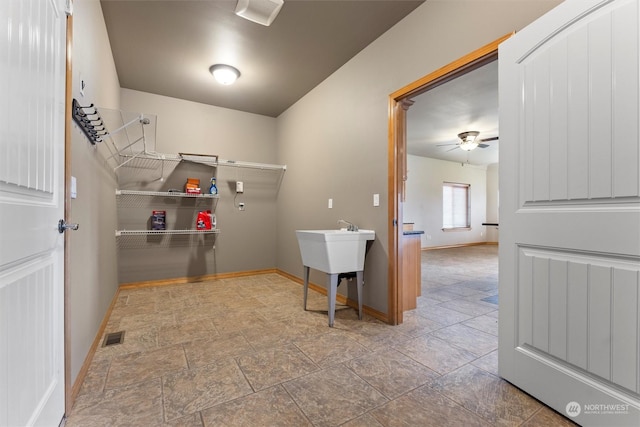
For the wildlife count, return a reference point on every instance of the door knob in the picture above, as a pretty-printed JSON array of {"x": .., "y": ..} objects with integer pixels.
[{"x": 63, "y": 226}]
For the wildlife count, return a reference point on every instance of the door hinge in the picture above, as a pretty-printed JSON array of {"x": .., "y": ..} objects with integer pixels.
[
  {"x": 395, "y": 222},
  {"x": 69, "y": 8}
]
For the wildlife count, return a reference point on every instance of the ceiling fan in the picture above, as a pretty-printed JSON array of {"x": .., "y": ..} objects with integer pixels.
[{"x": 468, "y": 141}]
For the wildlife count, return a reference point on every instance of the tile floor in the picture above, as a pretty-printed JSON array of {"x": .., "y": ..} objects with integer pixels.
[{"x": 242, "y": 352}]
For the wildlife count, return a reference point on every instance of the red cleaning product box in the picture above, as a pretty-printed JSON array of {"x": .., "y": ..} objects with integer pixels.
[{"x": 203, "y": 221}]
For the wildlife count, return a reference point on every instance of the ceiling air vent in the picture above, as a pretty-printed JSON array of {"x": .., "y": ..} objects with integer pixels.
[{"x": 259, "y": 11}]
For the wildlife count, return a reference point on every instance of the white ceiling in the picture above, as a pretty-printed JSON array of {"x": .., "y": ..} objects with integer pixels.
[
  {"x": 166, "y": 47},
  {"x": 467, "y": 103}
]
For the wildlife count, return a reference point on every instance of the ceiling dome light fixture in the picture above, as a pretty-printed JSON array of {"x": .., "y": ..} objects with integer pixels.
[
  {"x": 224, "y": 74},
  {"x": 468, "y": 140}
]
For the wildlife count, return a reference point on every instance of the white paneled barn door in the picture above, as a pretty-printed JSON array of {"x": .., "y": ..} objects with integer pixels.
[
  {"x": 570, "y": 211},
  {"x": 32, "y": 105}
]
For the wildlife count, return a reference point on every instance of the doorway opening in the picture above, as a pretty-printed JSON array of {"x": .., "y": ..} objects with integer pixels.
[{"x": 399, "y": 103}]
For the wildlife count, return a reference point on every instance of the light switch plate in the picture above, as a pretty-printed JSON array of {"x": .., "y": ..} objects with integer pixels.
[
  {"x": 330, "y": 204},
  {"x": 376, "y": 200},
  {"x": 74, "y": 188}
]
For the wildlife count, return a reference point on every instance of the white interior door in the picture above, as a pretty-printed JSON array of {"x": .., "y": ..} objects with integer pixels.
[
  {"x": 570, "y": 212},
  {"x": 32, "y": 82}
]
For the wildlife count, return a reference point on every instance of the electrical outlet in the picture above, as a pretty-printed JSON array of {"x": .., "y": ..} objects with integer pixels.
[{"x": 241, "y": 206}]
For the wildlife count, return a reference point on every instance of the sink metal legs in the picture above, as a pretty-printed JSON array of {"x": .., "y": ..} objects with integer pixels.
[
  {"x": 359, "y": 283},
  {"x": 332, "y": 290},
  {"x": 306, "y": 285}
]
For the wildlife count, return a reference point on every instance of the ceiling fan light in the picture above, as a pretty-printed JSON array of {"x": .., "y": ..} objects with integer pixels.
[
  {"x": 468, "y": 137},
  {"x": 224, "y": 74},
  {"x": 468, "y": 140},
  {"x": 468, "y": 146}
]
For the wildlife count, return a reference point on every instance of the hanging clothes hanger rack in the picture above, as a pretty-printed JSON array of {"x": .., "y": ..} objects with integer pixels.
[{"x": 89, "y": 121}]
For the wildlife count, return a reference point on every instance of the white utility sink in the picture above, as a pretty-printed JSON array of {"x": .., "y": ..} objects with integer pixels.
[{"x": 334, "y": 251}]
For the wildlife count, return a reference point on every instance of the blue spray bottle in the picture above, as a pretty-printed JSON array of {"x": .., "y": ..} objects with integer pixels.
[{"x": 213, "y": 189}]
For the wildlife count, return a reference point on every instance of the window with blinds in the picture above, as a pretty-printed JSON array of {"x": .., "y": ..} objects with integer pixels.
[{"x": 456, "y": 212}]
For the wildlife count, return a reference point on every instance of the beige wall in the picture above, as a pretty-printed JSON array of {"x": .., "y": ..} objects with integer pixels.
[
  {"x": 247, "y": 239},
  {"x": 92, "y": 254},
  {"x": 191, "y": 127},
  {"x": 423, "y": 204},
  {"x": 335, "y": 138}
]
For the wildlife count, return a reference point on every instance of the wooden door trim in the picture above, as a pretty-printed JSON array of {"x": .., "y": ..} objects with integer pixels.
[
  {"x": 67, "y": 206},
  {"x": 397, "y": 122}
]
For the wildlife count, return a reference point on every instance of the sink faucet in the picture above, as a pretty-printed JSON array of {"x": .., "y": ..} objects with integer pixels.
[{"x": 350, "y": 226}]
